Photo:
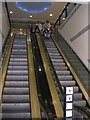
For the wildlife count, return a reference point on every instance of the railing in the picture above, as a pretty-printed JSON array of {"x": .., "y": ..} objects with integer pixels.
[{"x": 64, "y": 14}]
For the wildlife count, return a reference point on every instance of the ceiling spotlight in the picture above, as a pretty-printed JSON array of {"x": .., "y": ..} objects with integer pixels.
[
  {"x": 30, "y": 16},
  {"x": 20, "y": 29},
  {"x": 63, "y": 18},
  {"x": 11, "y": 12},
  {"x": 50, "y": 15}
]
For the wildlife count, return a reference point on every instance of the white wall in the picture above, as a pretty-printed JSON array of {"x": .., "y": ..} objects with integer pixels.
[
  {"x": 77, "y": 23},
  {"x": 4, "y": 25},
  {"x": 0, "y": 30}
]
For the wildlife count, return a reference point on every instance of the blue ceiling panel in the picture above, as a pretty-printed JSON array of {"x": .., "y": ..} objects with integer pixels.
[{"x": 33, "y": 7}]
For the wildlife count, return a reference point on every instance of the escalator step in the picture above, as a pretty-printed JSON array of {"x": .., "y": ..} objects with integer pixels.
[
  {"x": 18, "y": 53},
  {"x": 16, "y": 115},
  {"x": 56, "y": 60},
  {"x": 65, "y": 77},
  {"x": 15, "y": 91},
  {"x": 12, "y": 67},
  {"x": 68, "y": 84},
  {"x": 54, "y": 54},
  {"x": 16, "y": 84},
  {"x": 15, "y": 98},
  {"x": 60, "y": 68},
  {"x": 76, "y": 89},
  {"x": 55, "y": 57},
  {"x": 19, "y": 50},
  {"x": 59, "y": 64},
  {"x": 81, "y": 103},
  {"x": 17, "y": 63},
  {"x": 77, "y": 96},
  {"x": 63, "y": 72},
  {"x": 15, "y": 107},
  {"x": 52, "y": 48},
  {"x": 18, "y": 59},
  {"x": 18, "y": 56},
  {"x": 16, "y": 77},
  {"x": 19, "y": 47},
  {"x": 17, "y": 72},
  {"x": 18, "y": 43}
]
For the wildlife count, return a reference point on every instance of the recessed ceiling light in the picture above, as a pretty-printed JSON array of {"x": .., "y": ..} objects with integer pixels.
[
  {"x": 11, "y": 12},
  {"x": 30, "y": 16},
  {"x": 50, "y": 15},
  {"x": 63, "y": 18},
  {"x": 20, "y": 29}
]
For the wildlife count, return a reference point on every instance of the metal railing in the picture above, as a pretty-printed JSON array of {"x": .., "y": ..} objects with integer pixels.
[{"x": 64, "y": 14}]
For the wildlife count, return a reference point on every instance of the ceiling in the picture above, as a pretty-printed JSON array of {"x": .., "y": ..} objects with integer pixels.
[{"x": 20, "y": 15}]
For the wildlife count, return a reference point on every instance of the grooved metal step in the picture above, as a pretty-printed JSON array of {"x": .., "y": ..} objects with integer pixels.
[
  {"x": 52, "y": 54},
  {"x": 15, "y": 107},
  {"x": 18, "y": 59},
  {"x": 17, "y": 63},
  {"x": 68, "y": 84},
  {"x": 16, "y": 84},
  {"x": 13, "y": 67},
  {"x": 18, "y": 77},
  {"x": 63, "y": 72},
  {"x": 60, "y": 68},
  {"x": 59, "y": 64},
  {"x": 17, "y": 72},
  {"x": 15, "y": 98},
  {"x": 81, "y": 103},
  {"x": 65, "y": 77},
  {"x": 57, "y": 60},
  {"x": 56, "y": 56},
  {"x": 16, "y": 91},
  {"x": 19, "y": 50},
  {"x": 77, "y": 96},
  {"x": 18, "y": 56},
  {"x": 16, "y": 115}
]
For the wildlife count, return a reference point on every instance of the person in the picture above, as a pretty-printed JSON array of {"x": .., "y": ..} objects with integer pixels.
[
  {"x": 38, "y": 26},
  {"x": 47, "y": 25},
  {"x": 47, "y": 29}
]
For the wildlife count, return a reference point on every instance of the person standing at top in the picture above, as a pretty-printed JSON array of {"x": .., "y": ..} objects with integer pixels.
[
  {"x": 38, "y": 26},
  {"x": 46, "y": 26}
]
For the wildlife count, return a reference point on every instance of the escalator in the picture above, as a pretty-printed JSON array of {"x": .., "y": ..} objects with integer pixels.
[
  {"x": 15, "y": 96},
  {"x": 64, "y": 76}
]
